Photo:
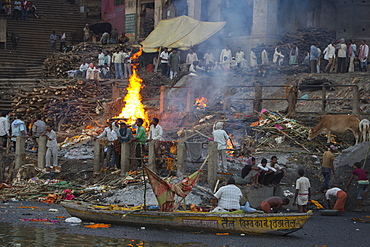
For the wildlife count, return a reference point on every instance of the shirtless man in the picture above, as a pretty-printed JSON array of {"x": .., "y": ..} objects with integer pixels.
[{"x": 274, "y": 202}]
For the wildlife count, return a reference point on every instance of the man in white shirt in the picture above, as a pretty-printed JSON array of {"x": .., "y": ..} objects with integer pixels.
[
  {"x": 342, "y": 56},
  {"x": 279, "y": 173},
  {"x": 155, "y": 131},
  {"x": 111, "y": 136},
  {"x": 52, "y": 147},
  {"x": 127, "y": 63},
  {"x": 341, "y": 198},
  {"x": 209, "y": 58},
  {"x": 352, "y": 54},
  {"x": 83, "y": 69},
  {"x": 164, "y": 61},
  {"x": 17, "y": 10},
  {"x": 220, "y": 136},
  {"x": 156, "y": 134},
  {"x": 302, "y": 192},
  {"x": 4, "y": 129},
  {"x": 253, "y": 58},
  {"x": 227, "y": 198},
  {"x": 191, "y": 57},
  {"x": 362, "y": 55},
  {"x": 331, "y": 57},
  {"x": 226, "y": 52},
  {"x": 194, "y": 69},
  {"x": 266, "y": 173},
  {"x": 239, "y": 56},
  {"x": 278, "y": 57},
  {"x": 101, "y": 57},
  {"x": 264, "y": 58},
  {"x": 117, "y": 59}
]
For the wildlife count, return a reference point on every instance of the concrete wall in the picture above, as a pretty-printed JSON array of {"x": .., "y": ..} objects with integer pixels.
[
  {"x": 256, "y": 195},
  {"x": 353, "y": 19},
  {"x": 113, "y": 14}
]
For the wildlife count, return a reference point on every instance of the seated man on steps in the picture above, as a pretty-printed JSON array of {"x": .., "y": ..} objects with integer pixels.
[{"x": 279, "y": 171}]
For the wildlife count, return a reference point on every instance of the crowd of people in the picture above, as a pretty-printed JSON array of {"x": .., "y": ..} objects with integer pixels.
[
  {"x": 170, "y": 62},
  {"x": 19, "y": 10},
  {"x": 118, "y": 133},
  {"x": 38, "y": 128},
  {"x": 339, "y": 56}
]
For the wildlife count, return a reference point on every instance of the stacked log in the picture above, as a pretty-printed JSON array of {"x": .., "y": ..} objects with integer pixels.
[
  {"x": 67, "y": 106},
  {"x": 58, "y": 64}
]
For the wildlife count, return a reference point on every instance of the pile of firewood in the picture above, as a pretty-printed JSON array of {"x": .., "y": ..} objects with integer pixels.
[
  {"x": 58, "y": 64},
  {"x": 68, "y": 106}
]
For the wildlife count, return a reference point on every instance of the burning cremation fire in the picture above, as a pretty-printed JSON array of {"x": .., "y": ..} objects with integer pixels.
[
  {"x": 200, "y": 103},
  {"x": 134, "y": 107}
]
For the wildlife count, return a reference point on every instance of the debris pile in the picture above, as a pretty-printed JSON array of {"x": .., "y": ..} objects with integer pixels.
[{"x": 276, "y": 129}]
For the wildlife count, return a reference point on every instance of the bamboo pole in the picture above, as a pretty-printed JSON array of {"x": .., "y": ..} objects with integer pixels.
[{"x": 144, "y": 190}]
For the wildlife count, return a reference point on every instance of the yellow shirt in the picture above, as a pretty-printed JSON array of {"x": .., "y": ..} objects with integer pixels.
[{"x": 327, "y": 158}]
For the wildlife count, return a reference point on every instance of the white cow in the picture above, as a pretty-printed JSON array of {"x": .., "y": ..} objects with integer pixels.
[{"x": 364, "y": 127}]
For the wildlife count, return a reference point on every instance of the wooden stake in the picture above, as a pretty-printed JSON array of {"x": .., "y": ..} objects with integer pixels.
[
  {"x": 20, "y": 155},
  {"x": 125, "y": 161},
  {"x": 96, "y": 161},
  {"x": 161, "y": 99},
  {"x": 41, "y": 152}
]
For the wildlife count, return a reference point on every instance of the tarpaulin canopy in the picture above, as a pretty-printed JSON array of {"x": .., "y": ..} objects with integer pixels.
[{"x": 181, "y": 32}]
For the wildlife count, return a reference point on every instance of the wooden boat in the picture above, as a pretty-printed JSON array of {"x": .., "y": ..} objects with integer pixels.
[{"x": 279, "y": 223}]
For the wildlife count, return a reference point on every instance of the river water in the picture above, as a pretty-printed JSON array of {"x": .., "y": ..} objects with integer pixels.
[{"x": 20, "y": 236}]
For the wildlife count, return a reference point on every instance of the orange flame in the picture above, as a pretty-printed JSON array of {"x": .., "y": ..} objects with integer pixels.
[
  {"x": 134, "y": 107},
  {"x": 200, "y": 103}
]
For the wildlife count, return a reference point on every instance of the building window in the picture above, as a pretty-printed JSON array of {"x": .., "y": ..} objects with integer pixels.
[{"x": 118, "y": 2}]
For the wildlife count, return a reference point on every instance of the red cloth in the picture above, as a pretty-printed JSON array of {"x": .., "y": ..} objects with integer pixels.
[
  {"x": 165, "y": 192},
  {"x": 361, "y": 174},
  {"x": 341, "y": 200},
  {"x": 266, "y": 207}
]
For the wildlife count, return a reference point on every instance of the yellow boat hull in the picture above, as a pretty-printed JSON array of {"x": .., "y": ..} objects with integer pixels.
[{"x": 280, "y": 224}]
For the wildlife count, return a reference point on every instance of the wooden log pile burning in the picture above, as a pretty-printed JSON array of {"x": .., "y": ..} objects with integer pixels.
[{"x": 70, "y": 104}]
